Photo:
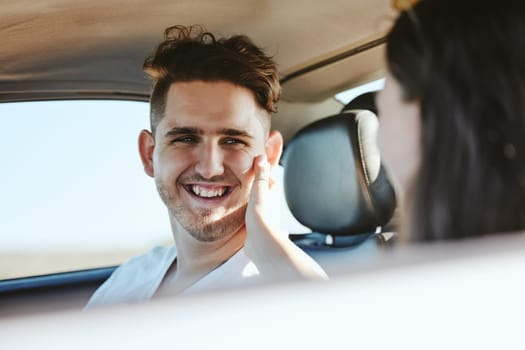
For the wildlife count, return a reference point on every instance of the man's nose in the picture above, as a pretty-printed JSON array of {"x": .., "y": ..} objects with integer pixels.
[{"x": 210, "y": 161}]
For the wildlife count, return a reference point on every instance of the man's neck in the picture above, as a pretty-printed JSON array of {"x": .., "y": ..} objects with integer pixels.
[{"x": 195, "y": 259}]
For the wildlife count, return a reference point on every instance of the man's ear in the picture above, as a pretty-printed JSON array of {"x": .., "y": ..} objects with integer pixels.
[
  {"x": 146, "y": 148},
  {"x": 274, "y": 147}
]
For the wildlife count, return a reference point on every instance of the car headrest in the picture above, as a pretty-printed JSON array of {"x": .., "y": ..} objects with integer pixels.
[
  {"x": 333, "y": 179},
  {"x": 364, "y": 101}
]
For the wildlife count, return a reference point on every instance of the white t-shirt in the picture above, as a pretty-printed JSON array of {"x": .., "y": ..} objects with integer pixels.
[{"x": 139, "y": 278}]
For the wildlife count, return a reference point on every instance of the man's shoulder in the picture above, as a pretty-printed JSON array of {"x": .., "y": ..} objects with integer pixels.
[
  {"x": 135, "y": 280},
  {"x": 151, "y": 260}
]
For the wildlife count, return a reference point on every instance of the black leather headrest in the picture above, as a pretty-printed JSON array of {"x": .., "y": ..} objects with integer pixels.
[
  {"x": 333, "y": 178},
  {"x": 365, "y": 101}
]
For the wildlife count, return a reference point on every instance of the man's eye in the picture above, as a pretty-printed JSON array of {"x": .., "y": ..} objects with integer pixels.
[
  {"x": 232, "y": 141},
  {"x": 185, "y": 139}
]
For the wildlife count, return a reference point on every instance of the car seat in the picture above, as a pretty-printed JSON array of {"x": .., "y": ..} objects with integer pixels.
[
  {"x": 335, "y": 185},
  {"x": 364, "y": 101}
]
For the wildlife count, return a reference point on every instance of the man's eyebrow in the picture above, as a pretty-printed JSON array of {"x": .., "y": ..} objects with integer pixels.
[
  {"x": 234, "y": 132},
  {"x": 195, "y": 131},
  {"x": 183, "y": 131}
]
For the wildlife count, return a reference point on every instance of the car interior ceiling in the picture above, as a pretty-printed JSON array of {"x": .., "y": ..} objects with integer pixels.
[{"x": 106, "y": 46}]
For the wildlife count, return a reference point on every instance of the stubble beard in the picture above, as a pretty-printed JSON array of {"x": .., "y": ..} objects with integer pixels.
[{"x": 203, "y": 226}]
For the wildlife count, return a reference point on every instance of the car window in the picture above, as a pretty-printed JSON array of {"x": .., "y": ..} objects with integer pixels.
[
  {"x": 73, "y": 191},
  {"x": 348, "y": 95}
]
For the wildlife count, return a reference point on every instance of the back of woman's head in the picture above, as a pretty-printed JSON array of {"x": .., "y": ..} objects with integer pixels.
[{"x": 464, "y": 62}]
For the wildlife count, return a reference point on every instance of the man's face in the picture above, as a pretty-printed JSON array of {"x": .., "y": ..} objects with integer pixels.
[{"x": 203, "y": 156}]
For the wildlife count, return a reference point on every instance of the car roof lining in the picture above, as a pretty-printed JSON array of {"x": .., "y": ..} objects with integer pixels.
[{"x": 97, "y": 49}]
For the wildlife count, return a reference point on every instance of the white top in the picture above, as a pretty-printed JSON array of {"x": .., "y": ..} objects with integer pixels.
[{"x": 139, "y": 278}]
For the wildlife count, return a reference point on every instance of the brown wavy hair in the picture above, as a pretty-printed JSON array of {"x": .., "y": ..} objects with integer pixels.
[{"x": 192, "y": 53}]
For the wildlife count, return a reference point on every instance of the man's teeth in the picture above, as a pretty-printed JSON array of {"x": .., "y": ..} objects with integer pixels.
[{"x": 208, "y": 193}]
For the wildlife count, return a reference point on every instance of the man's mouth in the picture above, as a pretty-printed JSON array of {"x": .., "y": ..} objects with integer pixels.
[{"x": 208, "y": 192}]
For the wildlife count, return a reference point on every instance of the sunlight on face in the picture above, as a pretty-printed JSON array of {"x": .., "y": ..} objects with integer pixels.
[
  {"x": 205, "y": 146},
  {"x": 399, "y": 133}
]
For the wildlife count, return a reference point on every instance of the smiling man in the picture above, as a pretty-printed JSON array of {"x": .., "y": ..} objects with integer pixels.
[{"x": 210, "y": 151}]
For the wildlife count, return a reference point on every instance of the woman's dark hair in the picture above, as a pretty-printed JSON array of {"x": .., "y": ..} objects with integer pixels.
[
  {"x": 464, "y": 62},
  {"x": 191, "y": 53}
]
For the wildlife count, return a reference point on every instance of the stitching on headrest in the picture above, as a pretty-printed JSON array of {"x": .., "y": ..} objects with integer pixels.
[
  {"x": 366, "y": 162},
  {"x": 361, "y": 153}
]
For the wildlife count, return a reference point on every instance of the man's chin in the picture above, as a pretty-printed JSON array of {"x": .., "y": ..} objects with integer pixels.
[
  {"x": 210, "y": 226},
  {"x": 214, "y": 231}
]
